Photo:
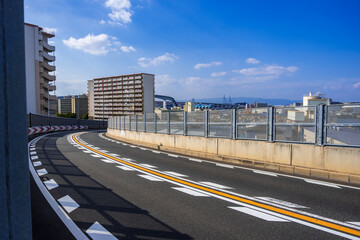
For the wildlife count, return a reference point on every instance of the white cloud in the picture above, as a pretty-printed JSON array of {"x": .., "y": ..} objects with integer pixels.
[
  {"x": 120, "y": 11},
  {"x": 127, "y": 49},
  {"x": 266, "y": 72},
  {"x": 50, "y": 30},
  {"x": 206, "y": 65},
  {"x": 218, "y": 74},
  {"x": 167, "y": 57},
  {"x": 164, "y": 80},
  {"x": 100, "y": 44},
  {"x": 102, "y": 21},
  {"x": 356, "y": 85},
  {"x": 252, "y": 60}
]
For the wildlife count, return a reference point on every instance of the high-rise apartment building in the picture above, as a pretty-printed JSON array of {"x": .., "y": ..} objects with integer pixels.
[
  {"x": 131, "y": 94},
  {"x": 91, "y": 109},
  {"x": 77, "y": 104},
  {"x": 64, "y": 104},
  {"x": 39, "y": 62}
]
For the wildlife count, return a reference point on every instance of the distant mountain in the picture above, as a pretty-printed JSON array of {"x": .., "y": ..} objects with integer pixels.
[{"x": 249, "y": 100}]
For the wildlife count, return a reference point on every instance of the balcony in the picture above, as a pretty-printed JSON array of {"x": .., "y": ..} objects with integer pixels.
[
  {"x": 47, "y": 66},
  {"x": 52, "y": 87},
  {"x": 48, "y": 57},
  {"x": 47, "y": 76},
  {"x": 47, "y": 47},
  {"x": 52, "y": 98}
]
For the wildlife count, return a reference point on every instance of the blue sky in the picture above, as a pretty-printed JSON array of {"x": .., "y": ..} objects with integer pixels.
[{"x": 208, "y": 48}]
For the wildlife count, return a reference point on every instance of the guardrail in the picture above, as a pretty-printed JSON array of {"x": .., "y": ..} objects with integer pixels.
[
  {"x": 41, "y": 124},
  {"x": 320, "y": 125}
]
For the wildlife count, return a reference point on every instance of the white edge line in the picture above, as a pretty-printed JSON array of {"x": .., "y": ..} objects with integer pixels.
[{"x": 73, "y": 228}]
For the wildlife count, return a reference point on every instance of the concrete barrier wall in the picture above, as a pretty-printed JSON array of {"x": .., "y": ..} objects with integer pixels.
[{"x": 314, "y": 159}]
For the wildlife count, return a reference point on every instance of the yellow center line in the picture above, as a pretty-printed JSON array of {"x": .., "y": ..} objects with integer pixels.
[{"x": 233, "y": 197}]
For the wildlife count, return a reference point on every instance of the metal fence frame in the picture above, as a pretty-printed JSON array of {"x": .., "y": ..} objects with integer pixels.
[{"x": 319, "y": 125}]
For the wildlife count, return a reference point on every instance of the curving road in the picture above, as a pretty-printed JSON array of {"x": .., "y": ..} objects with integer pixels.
[{"x": 105, "y": 189}]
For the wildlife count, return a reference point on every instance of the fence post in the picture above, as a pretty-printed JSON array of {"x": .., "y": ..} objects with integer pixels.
[
  {"x": 319, "y": 127},
  {"x": 326, "y": 109},
  {"x": 136, "y": 123},
  {"x": 168, "y": 123},
  {"x": 233, "y": 123},
  {"x": 124, "y": 122},
  {"x": 185, "y": 123},
  {"x": 155, "y": 123},
  {"x": 270, "y": 124},
  {"x": 129, "y": 122},
  {"x": 144, "y": 122},
  {"x": 206, "y": 121}
]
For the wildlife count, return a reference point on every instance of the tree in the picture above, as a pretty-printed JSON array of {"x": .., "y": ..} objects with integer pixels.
[{"x": 85, "y": 116}]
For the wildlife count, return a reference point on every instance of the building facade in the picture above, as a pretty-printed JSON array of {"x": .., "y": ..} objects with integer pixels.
[
  {"x": 40, "y": 68},
  {"x": 131, "y": 94},
  {"x": 91, "y": 109},
  {"x": 64, "y": 104},
  {"x": 77, "y": 104}
]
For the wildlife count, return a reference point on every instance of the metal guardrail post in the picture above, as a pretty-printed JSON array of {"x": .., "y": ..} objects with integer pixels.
[
  {"x": 124, "y": 122},
  {"x": 129, "y": 122},
  {"x": 136, "y": 123},
  {"x": 144, "y": 122},
  {"x": 168, "y": 123},
  {"x": 185, "y": 124},
  {"x": 325, "y": 117},
  {"x": 15, "y": 206},
  {"x": 271, "y": 124},
  {"x": 234, "y": 123},
  {"x": 155, "y": 123},
  {"x": 319, "y": 127},
  {"x": 206, "y": 122}
]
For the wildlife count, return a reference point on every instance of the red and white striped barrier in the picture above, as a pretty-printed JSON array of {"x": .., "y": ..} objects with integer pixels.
[{"x": 35, "y": 130}]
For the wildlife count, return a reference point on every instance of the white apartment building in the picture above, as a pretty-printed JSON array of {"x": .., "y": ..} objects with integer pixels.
[
  {"x": 131, "y": 94},
  {"x": 39, "y": 63}
]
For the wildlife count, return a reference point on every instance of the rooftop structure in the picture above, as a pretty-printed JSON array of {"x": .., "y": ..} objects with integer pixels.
[{"x": 314, "y": 100}]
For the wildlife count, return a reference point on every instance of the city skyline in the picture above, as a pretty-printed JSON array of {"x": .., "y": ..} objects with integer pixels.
[{"x": 207, "y": 49}]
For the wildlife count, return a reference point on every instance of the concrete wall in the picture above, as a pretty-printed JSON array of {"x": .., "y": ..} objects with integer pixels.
[{"x": 312, "y": 158}]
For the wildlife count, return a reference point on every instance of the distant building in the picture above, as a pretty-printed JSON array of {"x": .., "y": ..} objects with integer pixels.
[
  {"x": 39, "y": 62},
  {"x": 189, "y": 107},
  {"x": 77, "y": 104},
  {"x": 314, "y": 100},
  {"x": 131, "y": 94}
]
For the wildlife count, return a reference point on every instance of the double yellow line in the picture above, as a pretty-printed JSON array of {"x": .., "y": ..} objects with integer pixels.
[{"x": 233, "y": 197}]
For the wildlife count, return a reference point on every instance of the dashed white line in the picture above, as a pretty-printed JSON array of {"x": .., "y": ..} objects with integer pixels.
[
  {"x": 195, "y": 160},
  {"x": 147, "y": 166},
  {"x": 32, "y": 149},
  {"x": 42, "y": 172},
  {"x": 51, "y": 184},
  {"x": 133, "y": 146},
  {"x": 107, "y": 161},
  {"x": 281, "y": 202},
  {"x": 87, "y": 151},
  {"x": 125, "y": 168},
  {"x": 259, "y": 214},
  {"x": 127, "y": 159},
  {"x": 155, "y": 151},
  {"x": 34, "y": 157},
  {"x": 224, "y": 165},
  {"x": 98, "y": 232},
  {"x": 36, "y": 164},
  {"x": 190, "y": 192},
  {"x": 151, "y": 178},
  {"x": 174, "y": 174},
  {"x": 114, "y": 155},
  {"x": 96, "y": 155},
  {"x": 143, "y": 148},
  {"x": 322, "y": 183},
  {"x": 173, "y": 155},
  {"x": 33, "y": 153},
  {"x": 265, "y": 173},
  {"x": 216, "y": 185},
  {"x": 68, "y": 203}
]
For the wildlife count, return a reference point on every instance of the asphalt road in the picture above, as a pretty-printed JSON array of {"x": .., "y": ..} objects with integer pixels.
[{"x": 105, "y": 189}]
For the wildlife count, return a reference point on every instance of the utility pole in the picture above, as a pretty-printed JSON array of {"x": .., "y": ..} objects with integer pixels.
[{"x": 15, "y": 206}]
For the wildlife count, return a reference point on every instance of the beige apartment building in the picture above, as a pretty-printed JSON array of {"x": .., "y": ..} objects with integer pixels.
[
  {"x": 131, "y": 94},
  {"x": 40, "y": 68}
]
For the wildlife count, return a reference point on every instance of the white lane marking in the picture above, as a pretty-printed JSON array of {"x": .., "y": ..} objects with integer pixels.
[
  {"x": 96, "y": 148},
  {"x": 322, "y": 183},
  {"x": 147, "y": 166},
  {"x": 355, "y": 223},
  {"x": 51, "y": 184},
  {"x": 42, "y": 172},
  {"x": 173, "y": 155},
  {"x": 33, "y": 153},
  {"x": 127, "y": 159},
  {"x": 98, "y": 232},
  {"x": 32, "y": 149},
  {"x": 73, "y": 228},
  {"x": 151, "y": 178},
  {"x": 281, "y": 202},
  {"x": 107, "y": 161},
  {"x": 125, "y": 144},
  {"x": 81, "y": 147},
  {"x": 155, "y": 151},
  {"x": 143, "y": 148},
  {"x": 87, "y": 151},
  {"x": 36, "y": 164},
  {"x": 259, "y": 214},
  {"x": 195, "y": 160},
  {"x": 175, "y": 174},
  {"x": 133, "y": 146},
  {"x": 68, "y": 203},
  {"x": 224, "y": 165},
  {"x": 114, "y": 155},
  {"x": 190, "y": 192},
  {"x": 216, "y": 185},
  {"x": 103, "y": 151},
  {"x": 125, "y": 168},
  {"x": 34, "y": 157},
  {"x": 96, "y": 155},
  {"x": 265, "y": 173}
]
